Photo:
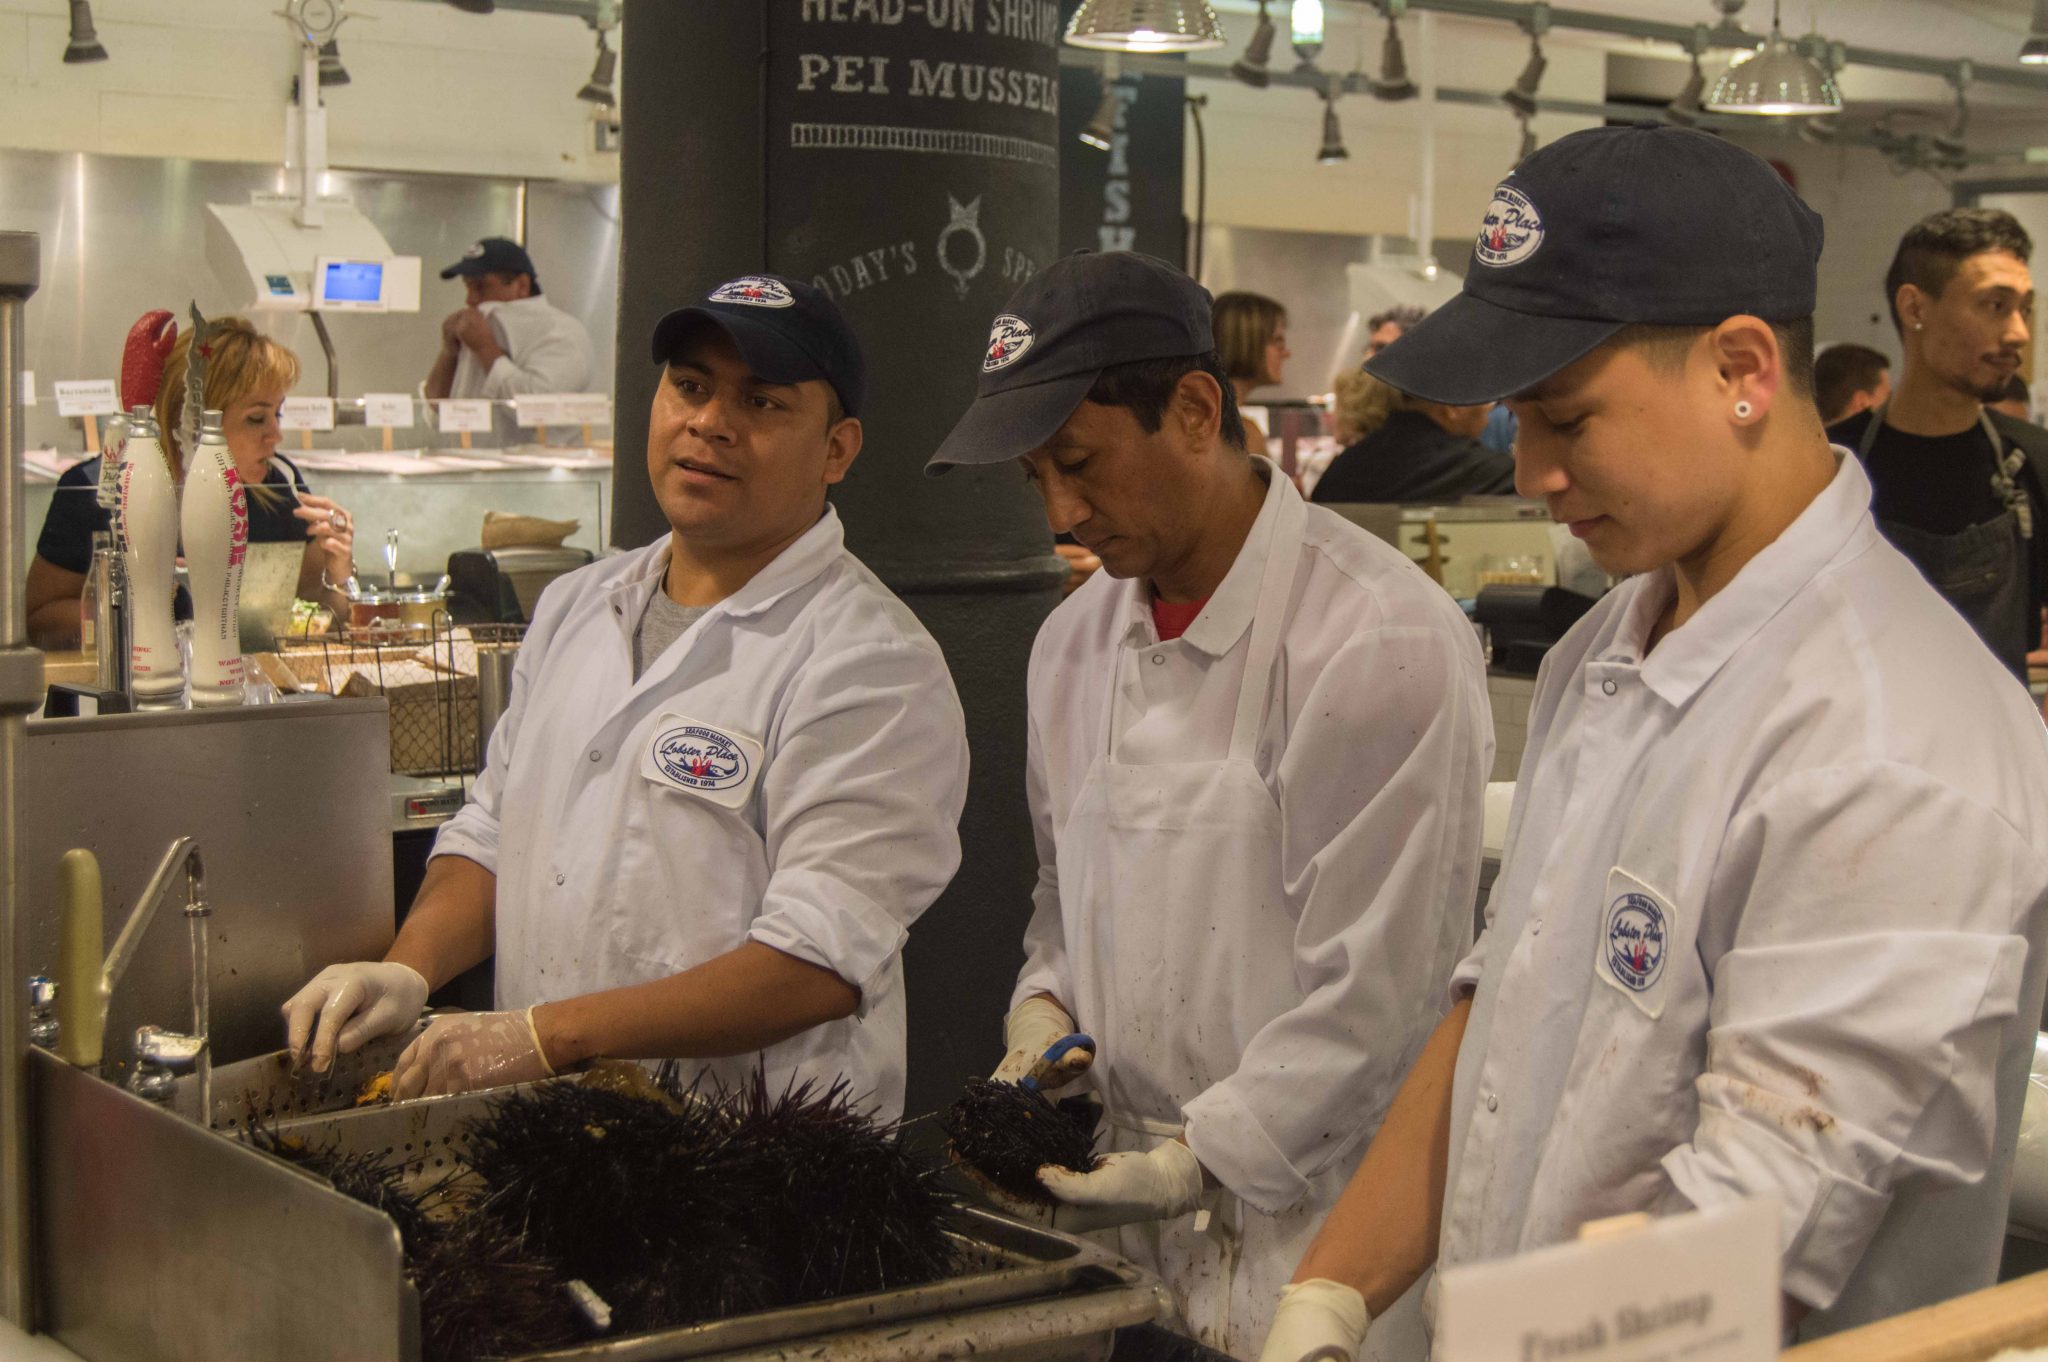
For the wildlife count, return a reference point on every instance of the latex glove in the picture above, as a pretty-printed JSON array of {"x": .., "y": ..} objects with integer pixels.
[
  {"x": 351, "y": 1004},
  {"x": 1038, "y": 1024},
  {"x": 1318, "y": 1321},
  {"x": 468, "y": 1051},
  {"x": 1163, "y": 1183}
]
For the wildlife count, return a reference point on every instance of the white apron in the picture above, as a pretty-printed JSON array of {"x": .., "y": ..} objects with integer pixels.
[{"x": 1171, "y": 882}]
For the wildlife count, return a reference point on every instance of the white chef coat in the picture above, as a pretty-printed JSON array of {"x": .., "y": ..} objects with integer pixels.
[
  {"x": 1278, "y": 1035},
  {"x": 546, "y": 351},
  {"x": 1769, "y": 922},
  {"x": 790, "y": 771}
]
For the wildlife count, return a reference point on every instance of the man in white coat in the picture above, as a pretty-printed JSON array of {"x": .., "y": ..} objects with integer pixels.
[
  {"x": 1770, "y": 917},
  {"x": 730, "y": 776},
  {"x": 1257, "y": 746},
  {"x": 507, "y": 339}
]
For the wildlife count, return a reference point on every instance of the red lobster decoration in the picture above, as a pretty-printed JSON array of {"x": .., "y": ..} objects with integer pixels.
[{"x": 143, "y": 358}]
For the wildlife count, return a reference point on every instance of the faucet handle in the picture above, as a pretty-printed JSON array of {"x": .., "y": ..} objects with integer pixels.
[
  {"x": 42, "y": 1011},
  {"x": 159, "y": 1054}
]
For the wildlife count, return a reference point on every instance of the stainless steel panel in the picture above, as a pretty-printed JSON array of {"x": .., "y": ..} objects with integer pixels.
[
  {"x": 124, "y": 234},
  {"x": 159, "y": 1241},
  {"x": 291, "y": 807}
]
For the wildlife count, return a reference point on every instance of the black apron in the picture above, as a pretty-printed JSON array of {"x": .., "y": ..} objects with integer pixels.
[{"x": 1981, "y": 571}]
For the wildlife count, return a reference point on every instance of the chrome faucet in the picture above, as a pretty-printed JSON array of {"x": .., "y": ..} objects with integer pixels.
[{"x": 160, "y": 1053}]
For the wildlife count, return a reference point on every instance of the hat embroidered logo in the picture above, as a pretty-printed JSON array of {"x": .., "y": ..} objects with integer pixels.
[
  {"x": 754, "y": 290},
  {"x": 1008, "y": 339},
  {"x": 1511, "y": 230},
  {"x": 475, "y": 252}
]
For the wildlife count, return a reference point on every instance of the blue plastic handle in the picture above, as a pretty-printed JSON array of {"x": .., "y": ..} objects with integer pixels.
[{"x": 1059, "y": 1050}]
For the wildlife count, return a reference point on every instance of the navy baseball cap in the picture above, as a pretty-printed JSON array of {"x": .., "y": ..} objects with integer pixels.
[
  {"x": 1059, "y": 330},
  {"x": 786, "y": 330},
  {"x": 494, "y": 255},
  {"x": 1603, "y": 229}
]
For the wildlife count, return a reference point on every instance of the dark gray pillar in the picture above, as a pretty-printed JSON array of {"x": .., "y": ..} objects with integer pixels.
[{"x": 902, "y": 156}]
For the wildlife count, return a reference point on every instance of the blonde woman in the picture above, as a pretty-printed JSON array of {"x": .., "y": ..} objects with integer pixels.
[
  {"x": 247, "y": 377},
  {"x": 1411, "y": 450},
  {"x": 1251, "y": 340}
]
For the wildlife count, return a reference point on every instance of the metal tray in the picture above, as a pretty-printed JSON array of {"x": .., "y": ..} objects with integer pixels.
[
  {"x": 266, "y": 1088},
  {"x": 1020, "y": 1290}
]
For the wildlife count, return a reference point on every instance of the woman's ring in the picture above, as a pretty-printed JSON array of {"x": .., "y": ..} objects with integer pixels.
[{"x": 339, "y": 520}]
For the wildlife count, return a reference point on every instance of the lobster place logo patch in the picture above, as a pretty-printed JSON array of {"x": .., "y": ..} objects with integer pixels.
[
  {"x": 699, "y": 758},
  {"x": 1008, "y": 339},
  {"x": 1511, "y": 230},
  {"x": 754, "y": 290},
  {"x": 1635, "y": 942}
]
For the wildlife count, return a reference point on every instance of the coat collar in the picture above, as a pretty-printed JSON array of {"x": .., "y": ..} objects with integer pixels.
[{"x": 1228, "y": 614}]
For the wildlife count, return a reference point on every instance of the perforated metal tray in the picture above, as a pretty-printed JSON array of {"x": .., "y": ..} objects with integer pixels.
[{"x": 1018, "y": 1290}]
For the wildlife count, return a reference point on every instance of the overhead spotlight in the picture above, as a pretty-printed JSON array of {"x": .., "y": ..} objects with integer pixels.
[
  {"x": 2034, "y": 51},
  {"x": 1521, "y": 96},
  {"x": 1332, "y": 150},
  {"x": 1145, "y": 26},
  {"x": 598, "y": 89},
  {"x": 1393, "y": 84},
  {"x": 1251, "y": 67},
  {"x": 1685, "y": 110},
  {"x": 1305, "y": 25},
  {"x": 85, "y": 43},
  {"x": 1100, "y": 131},
  {"x": 332, "y": 72},
  {"x": 1774, "y": 81},
  {"x": 1528, "y": 141}
]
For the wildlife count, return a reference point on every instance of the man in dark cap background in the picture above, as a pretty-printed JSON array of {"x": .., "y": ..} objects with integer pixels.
[
  {"x": 1258, "y": 739},
  {"x": 731, "y": 774},
  {"x": 1770, "y": 916},
  {"x": 507, "y": 340}
]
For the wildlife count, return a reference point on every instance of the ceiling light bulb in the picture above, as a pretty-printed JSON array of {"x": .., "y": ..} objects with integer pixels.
[
  {"x": 85, "y": 42},
  {"x": 1393, "y": 84},
  {"x": 1100, "y": 131},
  {"x": 598, "y": 89},
  {"x": 1251, "y": 67},
  {"x": 1333, "y": 137},
  {"x": 1774, "y": 81},
  {"x": 1522, "y": 97},
  {"x": 2034, "y": 51},
  {"x": 1145, "y": 26}
]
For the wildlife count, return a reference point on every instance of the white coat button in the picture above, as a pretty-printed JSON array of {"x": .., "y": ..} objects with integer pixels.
[
  {"x": 1492, "y": 1102},
  {"x": 559, "y": 879},
  {"x": 1158, "y": 659},
  {"x": 1608, "y": 687},
  {"x": 597, "y": 756}
]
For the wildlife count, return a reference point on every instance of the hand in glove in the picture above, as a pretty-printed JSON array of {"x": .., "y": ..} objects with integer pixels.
[
  {"x": 1163, "y": 1183},
  {"x": 352, "y": 1003},
  {"x": 1318, "y": 1321},
  {"x": 468, "y": 1051},
  {"x": 1037, "y": 1025}
]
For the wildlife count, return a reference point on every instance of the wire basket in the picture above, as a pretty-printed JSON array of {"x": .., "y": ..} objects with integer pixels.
[{"x": 430, "y": 682}]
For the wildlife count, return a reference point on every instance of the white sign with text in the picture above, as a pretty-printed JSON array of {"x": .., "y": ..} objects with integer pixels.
[
  {"x": 1699, "y": 1287},
  {"x": 460, "y": 414},
  {"x": 28, "y": 387},
  {"x": 387, "y": 410},
  {"x": 86, "y": 397},
  {"x": 306, "y": 413}
]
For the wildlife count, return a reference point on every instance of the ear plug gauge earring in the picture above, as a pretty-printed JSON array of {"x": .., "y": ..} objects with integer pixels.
[{"x": 1743, "y": 410}]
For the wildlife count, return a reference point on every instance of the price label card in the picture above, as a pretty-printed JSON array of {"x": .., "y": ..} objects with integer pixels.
[
  {"x": 306, "y": 413},
  {"x": 586, "y": 409},
  {"x": 465, "y": 413},
  {"x": 28, "y": 387},
  {"x": 538, "y": 409},
  {"x": 1702, "y": 1287},
  {"x": 387, "y": 409},
  {"x": 86, "y": 397}
]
